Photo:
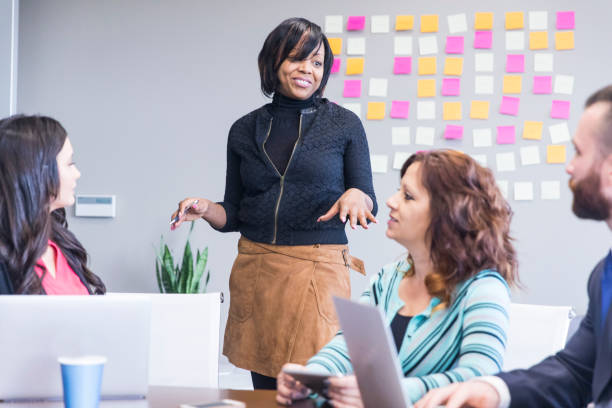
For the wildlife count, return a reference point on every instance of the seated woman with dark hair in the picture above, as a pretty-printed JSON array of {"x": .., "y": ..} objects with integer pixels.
[
  {"x": 446, "y": 302},
  {"x": 38, "y": 254}
]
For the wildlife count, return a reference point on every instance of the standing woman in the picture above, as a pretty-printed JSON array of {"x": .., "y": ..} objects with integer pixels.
[{"x": 297, "y": 169}]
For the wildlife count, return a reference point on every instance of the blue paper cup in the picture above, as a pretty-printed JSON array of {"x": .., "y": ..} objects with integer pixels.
[{"x": 82, "y": 380}]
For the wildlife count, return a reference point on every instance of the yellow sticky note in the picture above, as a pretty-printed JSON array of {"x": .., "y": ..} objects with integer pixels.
[
  {"x": 376, "y": 110},
  {"x": 427, "y": 66},
  {"x": 452, "y": 111},
  {"x": 532, "y": 130},
  {"x": 515, "y": 20},
  {"x": 538, "y": 40},
  {"x": 335, "y": 44},
  {"x": 354, "y": 66},
  {"x": 453, "y": 66},
  {"x": 555, "y": 154},
  {"x": 564, "y": 40},
  {"x": 426, "y": 88},
  {"x": 479, "y": 110},
  {"x": 403, "y": 23},
  {"x": 512, "y": 84},
  {"x": 483, "y": 21},
  {"x": 429, "y": 23}
]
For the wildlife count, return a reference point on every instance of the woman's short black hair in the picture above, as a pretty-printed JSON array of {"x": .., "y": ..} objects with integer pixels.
[{"x": 292, "y": 32}]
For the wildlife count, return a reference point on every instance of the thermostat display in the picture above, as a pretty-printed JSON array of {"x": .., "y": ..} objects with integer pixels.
[{"x": 95, "y": 206}]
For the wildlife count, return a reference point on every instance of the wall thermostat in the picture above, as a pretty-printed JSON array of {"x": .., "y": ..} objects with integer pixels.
[{"x": 95, "y": 206}]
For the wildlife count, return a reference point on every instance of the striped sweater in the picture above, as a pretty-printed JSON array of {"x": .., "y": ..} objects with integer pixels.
[{"x": 453, "y": 344}]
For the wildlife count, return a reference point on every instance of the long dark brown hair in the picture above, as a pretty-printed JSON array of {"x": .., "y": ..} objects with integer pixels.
[{"x": 29, "y": 181}]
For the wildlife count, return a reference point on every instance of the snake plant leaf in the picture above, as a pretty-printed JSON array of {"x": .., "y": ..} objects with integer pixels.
[
  {"x": 159, "y": 278},
  {"x": 206, "y": 282},
  {"x": 167, "y": 266},
  {"x": 201, "y": 260},
  {"x": 186, "y": 269}
]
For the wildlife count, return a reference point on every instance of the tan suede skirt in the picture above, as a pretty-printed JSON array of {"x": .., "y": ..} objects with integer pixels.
[{"x": 281, "y": 307}]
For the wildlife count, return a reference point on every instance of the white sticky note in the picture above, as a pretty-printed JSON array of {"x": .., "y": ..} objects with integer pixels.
[
  {"x": 550, "y": 190},
  {"x": 378, "y": 87},
  {"x": 559, "y": 133},
  {"x": 483, "y": 84},
  {"x": 400, "y": 135},
  {"x": 353, "y": 107},
  {"x": 564, "y": 84},
  {"x": 399, "y": 158},
  {"x": 523, "y": 190},
  {"x": 402, "y": 45},
  {"x": 380, "y": 24},
  {"x": 542, "y": 62},
  {"x": 480, "y": 159},
  {"x": 505, "y": 161},
  {"x": 356, "y": 46},
  {"x": 425, "y": 136},
  {"x": 457, "y": 23},
  {"x": 333, "y": 24},
  {"x": 482, "y": 137},
  {"x": 428, "y": 45},
  {"x": 538, "y": 20},
  {"x": 483, "y": 62},
  {"x": 503, "y": 187},
  {"x": 515, "y": 40},
  {"x": 379, "y": 163},
  {"x": 426, "y": 110},
  {"x": 530, "y": 155}
]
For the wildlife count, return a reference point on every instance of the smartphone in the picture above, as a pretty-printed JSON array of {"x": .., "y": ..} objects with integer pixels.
[
  {"x": 217, "y": 404},
  {"x": 310, "y": 379}
]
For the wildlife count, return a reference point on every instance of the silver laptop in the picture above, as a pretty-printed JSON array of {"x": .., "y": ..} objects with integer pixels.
[
  {"x": 373, "y": 354},
  {"x": 36, "y": 330}
]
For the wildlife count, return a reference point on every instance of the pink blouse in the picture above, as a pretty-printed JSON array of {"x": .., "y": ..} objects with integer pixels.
[{"x": 66, "y": 282}]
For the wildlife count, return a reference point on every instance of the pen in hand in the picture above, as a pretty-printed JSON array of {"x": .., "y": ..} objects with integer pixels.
[{"x": 175, "y": 219}]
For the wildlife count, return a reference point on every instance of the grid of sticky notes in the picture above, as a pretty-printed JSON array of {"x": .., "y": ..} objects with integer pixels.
[{"x": 429, "y": 56}]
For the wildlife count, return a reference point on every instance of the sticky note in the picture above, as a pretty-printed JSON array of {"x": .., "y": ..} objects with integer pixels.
[
  {"x": 402, "y": 45},
  {"x": 404, "y": 22},
  {"x": 426, "y": 88},
  {"x": 532, "y": 130},
  {"x": 542, "y": 85},
  {"x": 402, "y": 65},
  {"x": 509, "y": 105},
  {"x": 564, "y": 84},
  {"x": 515, "y": 40},
  {"x": 564, "y": 40},
  {"x": 512, "y": 84},
  {"x": 378, "y": 87},
  {"x": 550, "y": 190},
  {"x": 483, "y": 62},
  {"x": 480, "y": 159},
  {"x": 453, "y": 132},
  {"x": 428, "y": 45},
  {"x": 429, "y": 23},
  {"x": 505, "y": 161},
  {"x": 523, "y": 190},
  {"x": 336, "y": 45},
  {"x": 482, "y": 137},
  {"x": 483, "y": 21},
  {"x": 352, "y": 88},
  {"x": 530, "y": 155},
  {"x": 380, "y": 24},
  {"x": 555, "y": 154},
  {"x": 333, "y": 24},
  {"x": 376, "y": 111},
  {"x": 453, "y": 66},
  {"x": 515, "y": 20},
  {"x": 506, "y": 135},
  {"x": 379, "y": 162},
  {"x": 426, "y": 110},
  {"x": 427, "y": 65},
  {"x": 335, "y": 66},
  {"x": 399, "y": 158},
  {"x": 503, "y": 187},
  {"x": 425, "y": 136},
  {"x": 559, "y": 133},
  {"x": 560, "y": 109},
  {"x": 483, "y": 85},
  {"x": 515, "y": 63},
  {"x": 451, "y": 86},
  {"x": 565, "y": 20},
  {"x": 353, "y": 107},
  {"x": 538, "y": 20},
  {"x": 483, "y": 39},
  {"x": 355, "y": 23},
  {"x": 479, "y": 110},
  {"x": 543, "y": 62},
  {"x": 451, "y": 111},
  {"x": 538, "y": 40},
  {"x": 355, "y": 46},
  {"x": 457, "y": 23},
  {"x": 354, "y": 66},
  {"x": 399, "y": 109},
  {"x": 454, "y": 45},
  {"x": 400, "y": 135}
]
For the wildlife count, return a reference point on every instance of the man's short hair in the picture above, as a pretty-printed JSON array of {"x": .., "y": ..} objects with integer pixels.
[{"x": 605, "y": 136}]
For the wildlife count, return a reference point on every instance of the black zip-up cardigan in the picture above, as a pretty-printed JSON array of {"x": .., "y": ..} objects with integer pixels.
[{"x": 330, "y": 156}]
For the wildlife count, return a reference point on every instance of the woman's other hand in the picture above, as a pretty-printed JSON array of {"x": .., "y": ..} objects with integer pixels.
[
  {"x": 288, "y": 388},
  {"x": 354, "y": 203},
  {"x": 344, "y": 392}
]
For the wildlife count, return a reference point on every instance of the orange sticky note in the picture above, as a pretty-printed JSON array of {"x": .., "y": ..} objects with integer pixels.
[
  {"x": 512, "y": 84},
  {"x": 426, "y": 88},
  {"x": 453, "y": 66},
  {"x": 479, "y": 110},
  {"x": 335, "y": 44},
  {"x": 452, "y": 111},
  {"x": 532, "y": 130},
  {"x": 427, "y": 66},
  {"x": 376, "y": 110},
  {"x": 555, "y": 154},
  {"x": 564, "y": 40},
  {"x": 515, "y": 20},
  {"x": 429, "y": 23},
  {"x": 354, "y": 66},
  {"x": 404, "y": 23},
  {"x": 538, "y": 40},
  {"x": 483, "y": 21}
]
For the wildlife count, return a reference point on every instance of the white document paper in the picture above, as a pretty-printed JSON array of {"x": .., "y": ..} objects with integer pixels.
[
  {"x": 538, "y": 20},
  {"x": 505, "y": 161},
  {"x": 523, "y": 190},
  {"x": 482, "y": 137},
  {"x": 380, "y": 24},
  {"x": 503, "y": 187},
  {"x": 543, "y": 62},
  {"x": 356, "y": 46},
  {"x": 399, "y": 159},
  {"x": 564, "y": 84},
  {"x": 483, "y": 62},
  {"x": 428, "y": 45},
  {"x": 530, "y": 155},
  {"x": 559, "y": 133},
  {"x": 426, "y": 110},
  {"x": 483, "y": 84},
  {"x": 400, "y": 135},
  {"x": 515, "y": 40},
  {"x": 457, "y": 23},
  {"x": 353, "y": 107},
  {"x": 333, "y": 24},
  {"x": 425, "y": 136},
  {"x": 378, "y": 87},
  {"x": 402, "y": 45},
  {"x": 550, "y": 190},
  {"x": 480, "y": 159},
  {"x": 379, "y": 163}
]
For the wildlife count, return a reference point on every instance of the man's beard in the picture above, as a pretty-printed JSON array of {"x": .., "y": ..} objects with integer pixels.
[{"x": 589, "y": 203}]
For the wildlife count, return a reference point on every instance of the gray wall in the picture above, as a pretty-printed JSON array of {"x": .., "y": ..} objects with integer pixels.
[
  {"x": 148, "y": 90},
  {"x": 9, "y": 14}
]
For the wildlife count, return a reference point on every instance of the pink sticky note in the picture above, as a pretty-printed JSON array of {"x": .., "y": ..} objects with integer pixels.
[
  {"x": 509, "y": 105},
  {"x": 515, "y": 63},
  {"x": 399, "y": 109},
  {"x": 352, "y": 88},
  {"x": 542, "y": 84},
  {"x": 483, "y": 39},
  {"x": 560, "y": 109},
  {"x": 336, "y": 65},
  {"x": 565, "y": 20},
  {"x": 453, "y": 132},
  {"x": 355, "y": 23},
  {"x": 451, "y": 86},
  {"x": 454, "y": 45},
  {"x": 506, "y": 135},
  {"x": 402, "y": 65}
]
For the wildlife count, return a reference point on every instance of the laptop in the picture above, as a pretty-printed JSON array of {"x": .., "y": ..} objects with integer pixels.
[
  {"x": 373, "y": 354},
  {"x": 36, "y": 330}
]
